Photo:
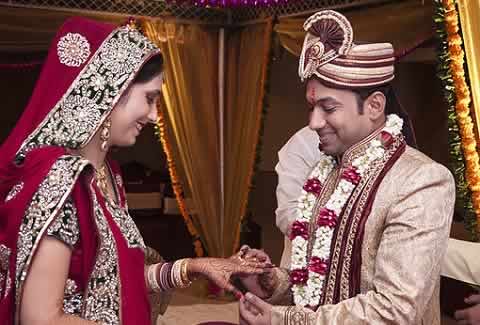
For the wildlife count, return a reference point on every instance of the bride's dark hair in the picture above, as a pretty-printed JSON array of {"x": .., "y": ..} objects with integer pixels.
[{"x": 152, "y": 68}]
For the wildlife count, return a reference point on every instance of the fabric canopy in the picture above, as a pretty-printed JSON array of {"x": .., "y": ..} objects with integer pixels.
[
  {"x": 402, "y": 24},
  {"x": 191, "y": 110}
]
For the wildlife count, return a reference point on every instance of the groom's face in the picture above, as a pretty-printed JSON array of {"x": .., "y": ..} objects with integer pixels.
[{"x": 336, "y": 117}]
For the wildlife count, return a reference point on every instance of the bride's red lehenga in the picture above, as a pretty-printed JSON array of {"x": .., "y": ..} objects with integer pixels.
[{"x": 46, "y": 191}]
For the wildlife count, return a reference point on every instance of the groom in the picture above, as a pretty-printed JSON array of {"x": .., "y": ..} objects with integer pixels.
[{"x": 372, "y": 221}]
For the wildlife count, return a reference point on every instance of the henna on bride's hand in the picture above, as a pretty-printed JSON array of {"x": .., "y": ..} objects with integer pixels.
[{"x": 257, "y": 254}]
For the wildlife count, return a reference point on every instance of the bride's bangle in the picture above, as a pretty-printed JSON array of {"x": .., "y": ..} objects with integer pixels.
[
  {"x": 152, "y": 278},
  {"x": 178, "y": 277},
  {"x": 184, "y": 272}
]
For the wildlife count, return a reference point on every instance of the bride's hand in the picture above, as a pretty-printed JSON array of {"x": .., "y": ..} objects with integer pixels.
[
  {"x": 262, "y": 285},
  {"x": 220, "y": 270}
]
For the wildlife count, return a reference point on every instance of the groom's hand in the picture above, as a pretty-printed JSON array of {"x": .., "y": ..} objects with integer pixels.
[
  {"x": 254, "y": 311},
  {"x": 471, "y": 315},
  {"x": 261, "y": 285},
  {"x": 221, "y": 270}
]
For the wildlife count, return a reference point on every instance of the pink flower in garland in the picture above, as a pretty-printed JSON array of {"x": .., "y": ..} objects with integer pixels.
[
  {"x": 318, "y": 265},
  {"x": 326, "y": 218},
  {"x": 299, "y": 276},
  {"x": 351, "y": 175},
  {"x": 313, "y": 185},
  {"x": 299, "y": 229},
  {"x": 386, "y": 139}
]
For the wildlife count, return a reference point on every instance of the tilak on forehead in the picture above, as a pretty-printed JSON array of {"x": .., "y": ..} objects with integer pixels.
[
  {"x": 312, "y": 94},
  {"x": 330, "y": 54}
]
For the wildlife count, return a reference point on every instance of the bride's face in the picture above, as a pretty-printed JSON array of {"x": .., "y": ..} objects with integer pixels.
[{"x": 136, "y": 108}]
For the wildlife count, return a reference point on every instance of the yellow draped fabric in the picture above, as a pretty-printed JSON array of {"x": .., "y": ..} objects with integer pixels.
[
  {"x": 191, "y": 107},
  {"x": 470, "y": 21},
  {"x": 403, "y": 24},
  {"x": 190, "y": 93},
  {"x": 176, "y": 174},
  {"x": 246, "y": 64}
]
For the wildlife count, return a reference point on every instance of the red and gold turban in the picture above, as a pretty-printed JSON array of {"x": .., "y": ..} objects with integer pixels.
[{"x": 330, "y": 54}]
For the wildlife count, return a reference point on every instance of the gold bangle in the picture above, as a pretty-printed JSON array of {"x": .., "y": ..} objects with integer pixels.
[
  {"x": 178, "y": 270},
  {"x": 176, "y": 274},
  {"x": 184, "y": 272},
  {"x": 152, "y": 278}
]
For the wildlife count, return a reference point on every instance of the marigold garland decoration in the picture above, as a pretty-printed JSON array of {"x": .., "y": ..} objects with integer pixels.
[
  {"x": 463, "y": 146},
  {"x": 176, "y": 185}
]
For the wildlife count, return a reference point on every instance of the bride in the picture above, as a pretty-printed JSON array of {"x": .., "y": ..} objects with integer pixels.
[{"x": 69, "y": 251}]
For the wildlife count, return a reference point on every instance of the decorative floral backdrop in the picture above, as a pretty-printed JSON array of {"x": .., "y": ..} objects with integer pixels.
[{"x": 452, "y": 71}]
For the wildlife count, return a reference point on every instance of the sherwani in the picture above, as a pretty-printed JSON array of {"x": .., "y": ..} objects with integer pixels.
[{"x": 405, "y": 239}]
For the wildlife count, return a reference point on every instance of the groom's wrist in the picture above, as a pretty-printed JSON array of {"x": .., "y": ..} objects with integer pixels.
[{"x": 269, "y": 283}]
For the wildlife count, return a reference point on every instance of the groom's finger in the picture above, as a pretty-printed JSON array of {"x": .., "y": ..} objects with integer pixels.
[
  {"x": 258, "y": 255},
  {"x": 246, "y": 311},
  {"x": 261, "y": 305},
  {"x": 242, "y": 321},
  {"x": 461, "y": 314},
  {"x": 473, "y": 299},
  {"x": 253, "y": 309}
]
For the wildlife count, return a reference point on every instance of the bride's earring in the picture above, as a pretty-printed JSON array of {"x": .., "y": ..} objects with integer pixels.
[{"x": 105, "y": 134}]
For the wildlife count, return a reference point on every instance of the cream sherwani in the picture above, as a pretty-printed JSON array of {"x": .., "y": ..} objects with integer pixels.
[{"x": 404, "y": 242}]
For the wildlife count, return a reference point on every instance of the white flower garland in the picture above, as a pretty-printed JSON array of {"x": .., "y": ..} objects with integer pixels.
[{"x": 308, "y": 277}]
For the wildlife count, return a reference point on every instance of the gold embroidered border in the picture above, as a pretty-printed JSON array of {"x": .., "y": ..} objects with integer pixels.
[
  {"x": 350, "y": 155},
  {"x": 103, "y": 292},
  {"x": 127, "y": 226},
  {"x": 94, "y": 92},
  {"x": 299, "y": 316},
  {"x": 330, "y": 283},
  {"x": 343, "y": 230},
  {"x": 362, "y": 201},
  {"x": 341, "y": 258},
  {"x": 5, "y": 278},
  {"x": 44, "y": 206}
]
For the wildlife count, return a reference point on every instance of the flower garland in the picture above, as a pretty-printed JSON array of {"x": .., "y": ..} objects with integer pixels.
[
  {"x": 462, "y": 137},
  {"x": 177, "y": 188},
  {"x": 308, "y": 276}
]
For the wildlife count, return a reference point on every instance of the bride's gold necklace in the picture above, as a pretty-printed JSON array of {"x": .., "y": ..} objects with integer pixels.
[{"x": 102, "y": 181}]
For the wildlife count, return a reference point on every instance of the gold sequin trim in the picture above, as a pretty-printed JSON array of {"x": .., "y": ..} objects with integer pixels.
[
  {"x": 45, "y": 204},
  {"x": 103, "y": 302},
  {"x": 5, "y": 278},
  {"x": 89, "y": 100}
]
